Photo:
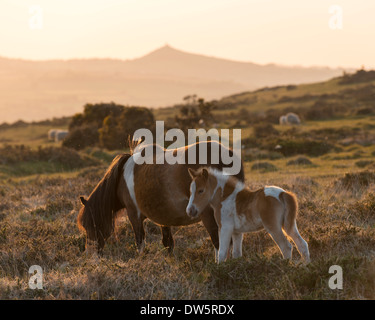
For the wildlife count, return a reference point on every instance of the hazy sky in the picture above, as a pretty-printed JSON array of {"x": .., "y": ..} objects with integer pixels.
[{"x": 290, "y": 32}]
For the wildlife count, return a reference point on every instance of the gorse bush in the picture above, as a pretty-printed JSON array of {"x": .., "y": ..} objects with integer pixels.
[
  {"x": 82, "y": 137},
  {"x": 115, "y": 130},
  {"x": 291, "y": 147},
  {"x": 107, "y": 125},
  {"x": 300, "y": 161},
  {"x": 94, "y": 114},
  {"x": 262, "y": 130},
  {"x": 357, "y": 179},
  {"x": 322, "y": 109},
  {"x": 264, "y": 166},
  {"x": 10, "y": 155}
]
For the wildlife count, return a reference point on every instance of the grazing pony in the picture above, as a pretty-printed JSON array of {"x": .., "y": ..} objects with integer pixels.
[
  {"x": 238, "y": 210},
  {"x": 159, "y": 192}
]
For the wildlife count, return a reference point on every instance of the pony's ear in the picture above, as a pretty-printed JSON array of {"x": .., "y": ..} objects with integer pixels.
[
  {"x": 205, "y": 173},
  {"x": 83, "y": 200},
  {"x": 192, "y": 173}
]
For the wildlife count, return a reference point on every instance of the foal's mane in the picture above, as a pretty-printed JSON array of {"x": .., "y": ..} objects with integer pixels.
[{"x": 225, "y": 179}]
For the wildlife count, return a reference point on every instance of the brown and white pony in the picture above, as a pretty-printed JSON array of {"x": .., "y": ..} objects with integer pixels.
[
  {"x": 237, "y": 210},
  {"x": 159, "y": 192}
]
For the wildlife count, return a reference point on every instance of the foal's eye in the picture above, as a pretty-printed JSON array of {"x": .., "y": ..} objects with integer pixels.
[{"x": 200, "y": 191}]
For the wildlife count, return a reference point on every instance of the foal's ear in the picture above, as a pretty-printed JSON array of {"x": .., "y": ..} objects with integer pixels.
[
  {"x": 192, "y": 173},
  {"x": 205, "y": 173},
  {"x": 83, "y": 200}
]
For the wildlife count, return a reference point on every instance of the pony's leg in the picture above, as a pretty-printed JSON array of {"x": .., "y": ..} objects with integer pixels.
[
  {"x": 136, "y": 221},
  {"x": 211, "y": 226},
  {"x": 301, "y": 244},
  {"x": 225, "y": 236},
  {"x": 237, "y": 245},
  {"x": 168, "y": 241}
]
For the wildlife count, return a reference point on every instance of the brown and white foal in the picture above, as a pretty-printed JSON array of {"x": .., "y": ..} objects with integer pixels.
[{"x": 237, "y": 209}]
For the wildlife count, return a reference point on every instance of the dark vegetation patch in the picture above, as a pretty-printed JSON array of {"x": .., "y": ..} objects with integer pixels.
[
  {"x": 358, "y": 77},
  {"x": 364, "y": 163},
  {"x": 357, "y": 180},
  {"x": 299, "y": 161},
  {"x": 107, "y": 125},
  {"x": 310, "y": 147},
  {"x": 264, "y": 166},
  {"x": 69, "y": 159}
]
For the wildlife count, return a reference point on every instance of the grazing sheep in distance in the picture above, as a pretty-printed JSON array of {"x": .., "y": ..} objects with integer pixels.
[
  {"x": 282, "y": 120},
  {"x": 52, "y": 134},
  {"x": 57, "y": 135},
  {"x": 289, "y": 119},
  {"x": 61, "y": 135}
]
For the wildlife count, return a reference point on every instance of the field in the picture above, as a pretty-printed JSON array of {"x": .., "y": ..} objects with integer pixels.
[{"x": 39, "y": 203}]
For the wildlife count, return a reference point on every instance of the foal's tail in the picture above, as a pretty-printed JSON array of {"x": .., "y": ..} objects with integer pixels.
[{"x": 291, "y": 209}]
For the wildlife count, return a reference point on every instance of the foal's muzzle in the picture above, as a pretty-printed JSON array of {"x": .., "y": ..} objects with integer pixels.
[{"x": 192, "y": 212}]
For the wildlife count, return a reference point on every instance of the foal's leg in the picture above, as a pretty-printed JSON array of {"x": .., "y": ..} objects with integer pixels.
[
  {"x": 168, "y": 241},
  {"x": 272, "y": 214},
  {"x": 225, "y": 236},
  {"x": 301, "y": 244},
  {"x": 210, "y": 223},
  {"x": 237, "y": 245},
  {"x": 272, "y": 222},
  {"x": 282, "y": 242}
]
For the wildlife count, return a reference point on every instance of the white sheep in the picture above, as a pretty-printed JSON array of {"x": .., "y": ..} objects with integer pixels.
[
  {"x": 61, "y": 135},
  {"x": 289, "y": 119},
  {"x": 292, "y": 118},
  {"x": 282, "y": 120},
  {"x": 52, "y": 134}
]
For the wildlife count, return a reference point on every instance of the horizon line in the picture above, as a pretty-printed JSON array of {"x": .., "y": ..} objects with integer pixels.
[{"x": 181, "y": 51}]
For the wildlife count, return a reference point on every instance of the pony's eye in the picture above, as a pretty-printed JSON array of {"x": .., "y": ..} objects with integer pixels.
[{"x": 200, "y": 191}]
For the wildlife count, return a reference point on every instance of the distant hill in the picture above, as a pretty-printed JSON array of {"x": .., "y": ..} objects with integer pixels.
[{"x": 34, "y": 90}]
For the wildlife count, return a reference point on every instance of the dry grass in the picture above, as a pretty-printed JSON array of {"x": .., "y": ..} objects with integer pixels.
[{"x": 38, "y": 226}]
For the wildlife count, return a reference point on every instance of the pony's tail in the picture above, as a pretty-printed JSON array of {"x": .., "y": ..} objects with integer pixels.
[{"x": 291, "y": 210}]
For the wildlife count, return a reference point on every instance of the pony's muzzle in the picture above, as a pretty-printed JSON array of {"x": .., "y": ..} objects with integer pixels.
[{"x": 192, "y": 211}]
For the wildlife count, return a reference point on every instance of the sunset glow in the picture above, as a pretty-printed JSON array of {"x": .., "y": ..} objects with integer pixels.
[{"x": 287, "y": 32}]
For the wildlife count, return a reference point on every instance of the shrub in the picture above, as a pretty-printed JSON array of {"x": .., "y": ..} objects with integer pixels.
[
  {"x": 322, "y": 109},
  {"x": 115, "y": 132},
  {"x": 365, "y": 208},
  {"x": 82, "y": 137},
  {"x": 365, "y": 111},
  {"x": 299, "y": 161},
  {"x": 263, "y": 130},
  {"x": 94, "y": 114},
  {"x": 357, "y": 179},
  {"x": 363, "y": 163},
  {"x": 258, "y": 154},
  {"x": 297, "y": 146},
  {"x": 59, "y": 155},
  {"x": 265, "y": 166},
  {"x": 358, "y": 77}
]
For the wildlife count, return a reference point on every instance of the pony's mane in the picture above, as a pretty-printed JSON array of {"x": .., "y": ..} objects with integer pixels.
[
  {"x": 102, "y": 205},
  {"x": 133, "y": 144}
]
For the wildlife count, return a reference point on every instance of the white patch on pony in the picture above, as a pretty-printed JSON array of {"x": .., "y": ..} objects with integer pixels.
[
  {"x": 193, "y": 188},
  {"x": 220, "y": 178},
  {"x": 129, "y": 179},
  {"x": 273, "y": 191}
]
